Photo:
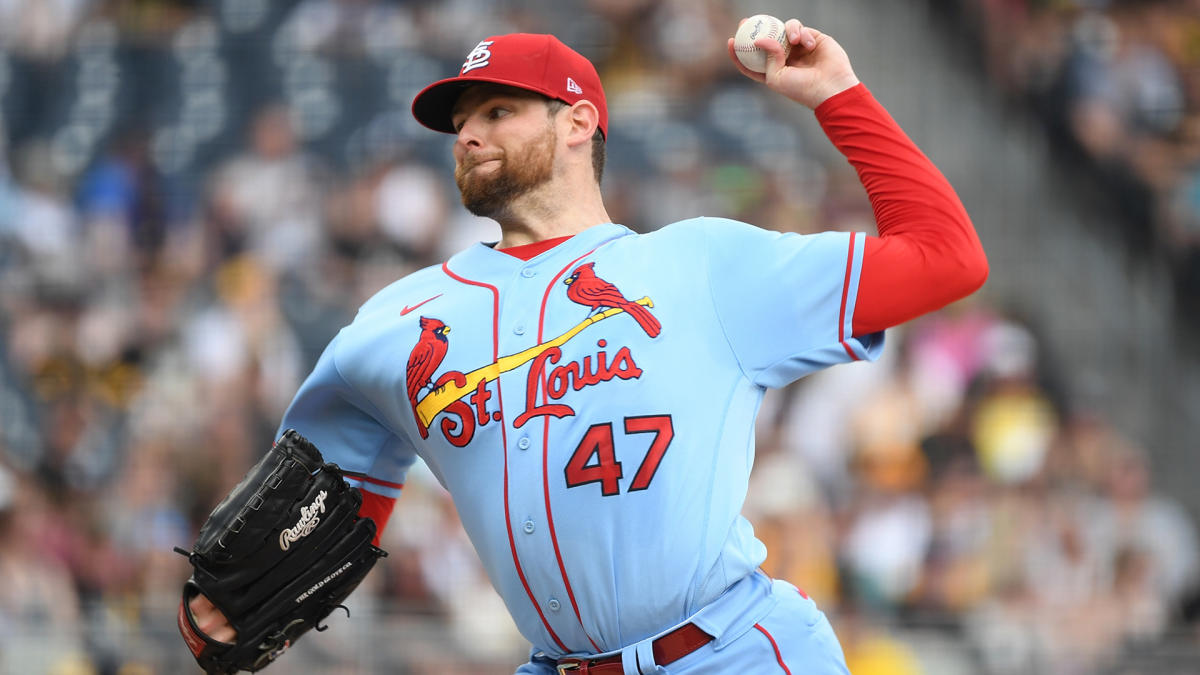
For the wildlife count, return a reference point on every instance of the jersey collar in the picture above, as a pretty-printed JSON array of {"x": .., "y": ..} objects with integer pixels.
[{"x": 482, "y": 262}]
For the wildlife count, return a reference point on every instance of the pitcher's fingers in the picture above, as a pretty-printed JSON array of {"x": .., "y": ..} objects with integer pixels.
[
  {"x": 200, "y": 606},
  {"x": 759, "y": 77},
  {"x": 799, "y": 35},
  {"x": 770, "y": 46},
  {"x": 222, "y": 633},
  {"x": 210, "y": 620},
  {"x": 776, "y": 57}
]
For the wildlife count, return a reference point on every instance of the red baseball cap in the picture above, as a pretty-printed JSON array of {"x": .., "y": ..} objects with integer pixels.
[{"x": 538, "y": 63}]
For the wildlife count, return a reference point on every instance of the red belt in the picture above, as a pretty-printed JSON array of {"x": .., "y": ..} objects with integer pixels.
[{"x": 668, "y": 648}]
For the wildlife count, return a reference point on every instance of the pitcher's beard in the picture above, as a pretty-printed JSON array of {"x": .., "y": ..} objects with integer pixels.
[{"x": 491, "y": 195}]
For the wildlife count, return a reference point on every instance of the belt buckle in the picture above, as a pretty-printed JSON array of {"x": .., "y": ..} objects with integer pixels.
[{"x": 575, "y": 666}]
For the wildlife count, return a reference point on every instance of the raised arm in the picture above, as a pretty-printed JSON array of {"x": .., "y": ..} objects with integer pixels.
[{"x": 927, "y": 254}]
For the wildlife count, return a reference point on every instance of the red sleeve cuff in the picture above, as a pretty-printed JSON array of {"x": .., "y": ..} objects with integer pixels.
[{"x": 842, "y": 99}]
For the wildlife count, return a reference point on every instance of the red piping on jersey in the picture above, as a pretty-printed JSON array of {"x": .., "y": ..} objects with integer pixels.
[
  {"x": 845, "y": 295},
  {"x": 379, "y": 481},
  {"x": 512, "y": 543},
  {"x": 778, "y": 656},
  {"x": 562, "y": 569}
]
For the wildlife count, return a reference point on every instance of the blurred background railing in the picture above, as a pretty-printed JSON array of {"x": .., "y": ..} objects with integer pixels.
[{"x": 196, "y": 194}]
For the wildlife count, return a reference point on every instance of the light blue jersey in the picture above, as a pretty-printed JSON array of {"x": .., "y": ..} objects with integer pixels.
[{"x": 591, "y": 411}]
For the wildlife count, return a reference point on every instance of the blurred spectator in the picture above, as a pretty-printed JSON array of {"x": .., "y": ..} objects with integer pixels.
[
  {"x": 122, "y": 200},
  {"x": 411, "y": 206},
  {"x": 1133, "y": 520},
  {"x": 40, "y": 29},
  {"x": 266, "y": 201},
  {"x": 1122, "y": 85},
  {"x": 870, "y": 650},
  {"x": 885, "y": 546},
  {"x": 1116, "y": 83},
  {"x": 39, "y": 609},
  {"x": 1009, "y": 632},
  {"x": 347, "y": 28},
  {"x": 41, "y": 219},
  {"x": 958, "y": 574}
]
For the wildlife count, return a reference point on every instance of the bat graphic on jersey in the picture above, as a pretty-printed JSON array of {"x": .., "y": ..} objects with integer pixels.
[{"x": 584, "y": 287}]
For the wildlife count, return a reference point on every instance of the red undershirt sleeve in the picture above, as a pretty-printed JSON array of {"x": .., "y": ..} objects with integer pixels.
[
  {"x": 379, "y": 509},
  {"x": 927, "y": 254}
]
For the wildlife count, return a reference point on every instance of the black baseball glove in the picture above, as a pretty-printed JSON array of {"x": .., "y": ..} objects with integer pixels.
[{"x": 276, "y": 556}]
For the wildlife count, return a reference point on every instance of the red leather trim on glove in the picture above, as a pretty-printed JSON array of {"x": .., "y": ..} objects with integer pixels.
[{"x": 187, "y": 628}]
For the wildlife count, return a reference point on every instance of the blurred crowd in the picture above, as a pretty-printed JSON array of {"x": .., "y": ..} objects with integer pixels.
[
  {"x": 1117, "y": 82},
  {"x": 195, "y": 196}
]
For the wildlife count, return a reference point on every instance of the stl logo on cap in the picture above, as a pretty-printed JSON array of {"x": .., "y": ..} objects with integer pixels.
[
  {"x": 538, "y": 63},
  {"x": 478, "y": 58}
]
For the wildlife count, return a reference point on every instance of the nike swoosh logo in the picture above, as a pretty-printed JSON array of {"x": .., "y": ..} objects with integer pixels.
[{"x": 408, "y": 309}]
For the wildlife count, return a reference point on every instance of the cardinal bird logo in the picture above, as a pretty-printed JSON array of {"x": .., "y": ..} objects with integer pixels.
[
  {"x": 426, "y": 356},
  {"x": 589, "y": 290}
]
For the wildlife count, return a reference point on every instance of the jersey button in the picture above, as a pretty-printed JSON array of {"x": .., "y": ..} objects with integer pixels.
[
  {"x": 523, "y": 443},
  {"x": 528, "y": 527},
  {"x": 519, "y": 329},
  {"x": 528, "y": 273},
  {"x": 553, "y": 605}
]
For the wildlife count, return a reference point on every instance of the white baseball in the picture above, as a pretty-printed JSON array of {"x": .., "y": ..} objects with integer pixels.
[{"x": 758, "y": 26}]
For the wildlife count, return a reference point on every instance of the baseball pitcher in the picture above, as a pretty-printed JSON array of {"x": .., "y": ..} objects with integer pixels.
[{"x": 587, "y": 394}]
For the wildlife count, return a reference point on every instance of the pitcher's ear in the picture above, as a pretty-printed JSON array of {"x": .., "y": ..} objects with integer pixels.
[{"x": 584, "y": 118}]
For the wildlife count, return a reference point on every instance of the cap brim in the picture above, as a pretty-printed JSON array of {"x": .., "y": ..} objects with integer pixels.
[{"x": 433, "y": 105}]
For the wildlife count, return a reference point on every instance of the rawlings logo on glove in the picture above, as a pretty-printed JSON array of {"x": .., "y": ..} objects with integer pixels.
[{"x": 308, "y": 522}]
